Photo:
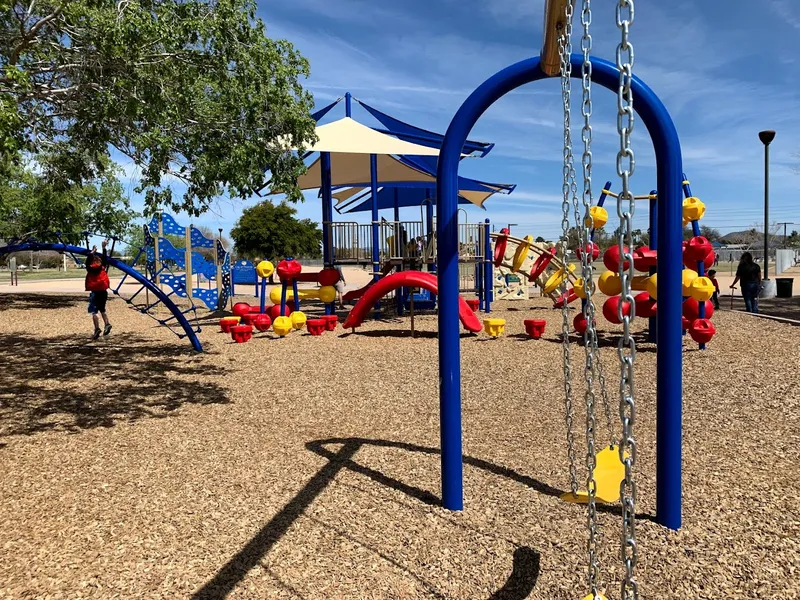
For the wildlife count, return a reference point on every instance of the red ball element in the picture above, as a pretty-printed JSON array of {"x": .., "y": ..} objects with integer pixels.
[
  {"x": 611, "y": 258},
  {"x": 685, "y": 324},
  {"x": 240, "y": 309},
  {"x": 579, "y": 323},
  {"x": 702, "y": 330},
  {"x": 611, "y": 308},
  {"x": 590, "y": 247},
  {"x": 645, "y": 305},
  {"x": 275, "y": 310},
  {"x": 262, "y": 322},
  {"x": 644, "y": 258},
  {"x": 708, "y": 261},
  {"x": 691, "y": 309},
  {"x": 287, "y": 269},
  {"x": 697, "y": 248},
  {"x": 328, "y": 277}
]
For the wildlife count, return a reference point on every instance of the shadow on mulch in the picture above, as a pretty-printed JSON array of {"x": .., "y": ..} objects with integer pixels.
[
  {"x": 526, "y": 561},
  {"x": 136, "y": 380},
  {"x": 788, "y": 308},
  {"x": 401, "y": 333},
  {"x": 40, "y": 301}
]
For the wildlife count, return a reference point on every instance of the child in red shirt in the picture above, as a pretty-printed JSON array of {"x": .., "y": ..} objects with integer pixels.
[
  {"x": 97, "y": 283},
  {"x": 712, "y": 275}
]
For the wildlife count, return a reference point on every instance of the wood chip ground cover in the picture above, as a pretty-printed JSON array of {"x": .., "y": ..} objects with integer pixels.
[{"x": 308, "y": 467}]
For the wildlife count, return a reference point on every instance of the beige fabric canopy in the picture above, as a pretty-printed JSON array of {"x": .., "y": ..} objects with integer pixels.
[
  {"x": 353, "y": 169},
  {"x": 350, "y": 136}
]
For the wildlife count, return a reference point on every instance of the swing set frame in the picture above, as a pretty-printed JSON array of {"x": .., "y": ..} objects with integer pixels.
[{"x": 668, "y": 234}]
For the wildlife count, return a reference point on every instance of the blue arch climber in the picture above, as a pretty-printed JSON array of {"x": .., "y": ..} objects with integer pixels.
[{"x": 179, "y": 316}]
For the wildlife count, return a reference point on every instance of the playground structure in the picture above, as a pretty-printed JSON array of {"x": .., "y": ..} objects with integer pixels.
[
  {"x": 159, "y": 250},
  {"x": 177, "y": 322}
]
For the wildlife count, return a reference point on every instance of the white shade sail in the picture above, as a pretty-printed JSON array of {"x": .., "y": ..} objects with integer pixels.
[
  {"x": 349, "y": 136},
  {"x": 353, "y": 169}
]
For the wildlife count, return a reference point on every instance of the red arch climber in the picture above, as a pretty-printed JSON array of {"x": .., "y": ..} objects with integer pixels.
[{"x": 383, "y": 286}]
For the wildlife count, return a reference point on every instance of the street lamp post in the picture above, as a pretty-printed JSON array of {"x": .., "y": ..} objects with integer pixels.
[{"x": 766, "y": 138}]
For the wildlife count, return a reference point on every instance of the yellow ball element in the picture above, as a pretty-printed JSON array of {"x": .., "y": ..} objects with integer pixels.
[
  {"x": 494, "y": 327},
  {"x": 702, "y": 289},
  {"x": 298, "y": 319},
  {"x": 610, "y": 283},
  {"x": 275, "y": 295},
  {"x": 580, "y": 289},
  {"x": 521, "y": 253},
  {"x": 593, "y": 597},
  {"x": 265, "y": 269},
  {"x": 652, "y": 286},
  {"x": 639, "y": 282},
  {"x": 327, "y": 294},
  {"x": 599, "y": 217},
  {"x": 693, "y": 209},
  {"x": 688, "y": 277},
  {"x": 556, "y": 279},
  {"x": 282, "y": 326}
]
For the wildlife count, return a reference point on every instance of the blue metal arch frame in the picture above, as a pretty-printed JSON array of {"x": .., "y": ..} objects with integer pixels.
[
  {"x": 125, "y": 268},
  {"x": 669, "y": 372}
]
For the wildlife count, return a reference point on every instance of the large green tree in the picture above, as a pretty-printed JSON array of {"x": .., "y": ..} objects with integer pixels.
[
  {"x": 271, "y": 231},
  {"x": 193, "y": 91},
  {"x": 32, "y": 204}
]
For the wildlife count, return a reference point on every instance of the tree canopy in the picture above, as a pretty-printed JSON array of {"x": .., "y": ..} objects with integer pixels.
[
  {"x": 271, "y": 231},
  {"x": 193, "y": 91},
  {"x": 32, "y": 204}
]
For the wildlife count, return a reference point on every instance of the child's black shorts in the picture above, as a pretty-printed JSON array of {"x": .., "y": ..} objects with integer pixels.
[{"x": 97, "y": 302}]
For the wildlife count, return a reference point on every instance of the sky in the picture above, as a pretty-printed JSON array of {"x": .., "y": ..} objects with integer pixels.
[{"x": 723, "y": 75}]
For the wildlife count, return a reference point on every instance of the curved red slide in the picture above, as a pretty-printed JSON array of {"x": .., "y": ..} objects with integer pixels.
[
  {"x": 354, "y": 294},
  {"x": 383, "y": 286}
]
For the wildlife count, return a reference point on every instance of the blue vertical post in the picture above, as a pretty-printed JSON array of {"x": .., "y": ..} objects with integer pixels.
[
  {"x": 284, "y": 285},
  {"x": 263, "y": 294},
  {"x": 373, "y": 178},
  {"x": 652, "y": 327},
  {"x": 401, "y": 293},
  {"x": 488, "y": 274},
  {"x": 429, "y": 232},
  {"x": 479, "y": 264},
  {"x": 348, "y": 105},
  {"x": 327, "y": 208},
  {"x": 295, "y": 295}
]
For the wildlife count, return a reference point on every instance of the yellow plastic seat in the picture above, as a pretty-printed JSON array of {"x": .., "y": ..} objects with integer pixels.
[
  {"x": 494, "y": 327},
  {"x": 608, "y": 473}
]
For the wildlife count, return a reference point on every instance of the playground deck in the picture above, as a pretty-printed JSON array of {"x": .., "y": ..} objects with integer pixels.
[{"x": 135, "y": 468}]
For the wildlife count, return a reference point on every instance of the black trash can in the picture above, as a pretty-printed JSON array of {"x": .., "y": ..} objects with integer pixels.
[{"x": 783, "y": 287}]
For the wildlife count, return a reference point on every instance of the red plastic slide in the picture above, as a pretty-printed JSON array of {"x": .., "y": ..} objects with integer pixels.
[
  {"x": 355, "y": 294},
  {"x": 383, "y": 286}
]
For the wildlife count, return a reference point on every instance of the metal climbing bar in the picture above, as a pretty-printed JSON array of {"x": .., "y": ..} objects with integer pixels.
[{"x": 117, "y": 264}]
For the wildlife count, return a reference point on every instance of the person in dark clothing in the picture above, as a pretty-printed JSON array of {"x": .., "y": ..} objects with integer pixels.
[
  {"x": 712, "y": 275},
  {"x": 749, "y": 273},
  {"x": 97, "y": 284}
]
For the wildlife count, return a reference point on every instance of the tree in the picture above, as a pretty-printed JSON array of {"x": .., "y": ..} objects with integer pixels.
[
  {"x": 191, "y": 90},
  {"x": 713, "y": 235},
  {"x": 31, "y": 204},
  {"x": 271, "y": 231}
]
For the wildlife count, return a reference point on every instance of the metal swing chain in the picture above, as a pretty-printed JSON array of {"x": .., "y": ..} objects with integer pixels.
[
  {"x": 590, "y": 335},
  {"x": 565, "y": 48},
  {"x": 627, "y": 347}
]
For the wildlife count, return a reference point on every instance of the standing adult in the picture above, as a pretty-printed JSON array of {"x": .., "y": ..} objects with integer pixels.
[
  {"x": 339, "y": 285},
  {"x": 749, "y": 273}
]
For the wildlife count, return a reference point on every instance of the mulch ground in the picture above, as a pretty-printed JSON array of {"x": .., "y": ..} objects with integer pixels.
[{"x": 308, "y": 467}]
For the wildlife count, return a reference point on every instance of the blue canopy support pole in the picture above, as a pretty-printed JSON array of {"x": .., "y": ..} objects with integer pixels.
[
  {"x": 488, "y": 282},
  {"x": 429, "y": 224},
  {"x": 652, "y": 328},
  {"x": 373, "y": 178},
  {"x": 400, "y": 295},
  {"x": 669, "y": 408},
  {"x": 125, "y": 268},
  {"x": 327, "y": 209},
  {"x": 348, "y": 105}
]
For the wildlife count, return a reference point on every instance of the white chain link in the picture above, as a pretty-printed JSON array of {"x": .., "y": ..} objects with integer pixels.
[
  {"x": 569, "y": 185},
  {"x": 627, "y": 347}
]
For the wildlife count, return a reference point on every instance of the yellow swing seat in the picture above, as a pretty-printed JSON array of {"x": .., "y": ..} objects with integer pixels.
[{"x": 608, "y": 474}]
